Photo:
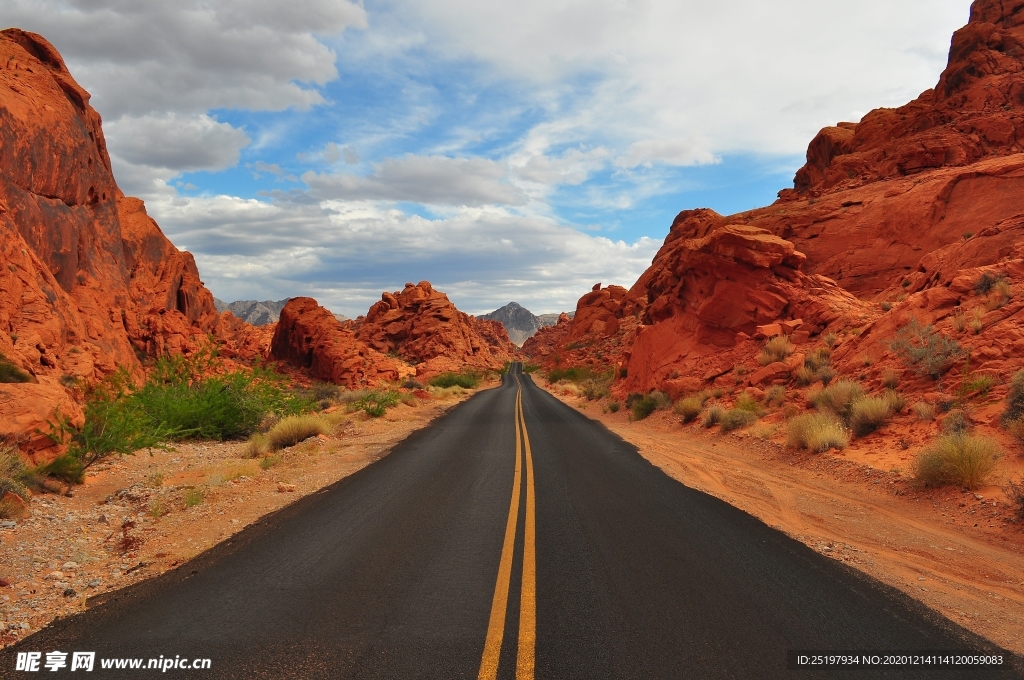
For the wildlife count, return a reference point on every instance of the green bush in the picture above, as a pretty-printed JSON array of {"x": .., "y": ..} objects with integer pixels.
[
  {"x": 614, "y": 407},
  {"x": 375, "y": 403},
  {"x": 735, "y": 418},
  {"x": 868, "y": 414},
  {"x": 466, "y": 379},
  {"x": 958, "y": 459},
  {"x": 182, "y": 398},
  {"x": 648, "y": 404},
  {"x": 712, "y": 415},
  {"x": 839, "y": 398},
  {"x": 925, "y": 350},
  {"x": 576, "y": 374},
  {"x": 294, "y": 429},
  {"x": 817, "y": 432},
  {"x": 9, "y": 373},
  {"x": 530, "y": 368}
]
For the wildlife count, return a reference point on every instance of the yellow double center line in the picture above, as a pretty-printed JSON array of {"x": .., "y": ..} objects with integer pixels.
[{"x": 526, "y": 655}]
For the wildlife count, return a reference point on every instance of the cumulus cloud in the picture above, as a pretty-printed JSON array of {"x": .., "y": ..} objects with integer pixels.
[
  {"x": 336, "y": 251},
  {"x": 745, "y": 75},
  {"x": 437, "y": 180},
  {"x": 572, "y": 167},
  {"x": 138, "y": 57}
]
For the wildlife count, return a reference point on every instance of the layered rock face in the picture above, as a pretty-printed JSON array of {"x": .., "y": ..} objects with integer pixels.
[
  {"x": 88, "y": 279},
  {"x": 415, "y": 331},
  {"x": 891, "y": 218}
]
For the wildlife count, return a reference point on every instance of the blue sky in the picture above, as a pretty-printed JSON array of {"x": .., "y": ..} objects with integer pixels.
[{"x": 501, "y": 150}]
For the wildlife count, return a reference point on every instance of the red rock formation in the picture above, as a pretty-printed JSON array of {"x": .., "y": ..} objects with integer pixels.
[
  {"x": 88, "y": 278},
  {"x": 423, "y": 327},
  {"x": 309, "y": 336}
]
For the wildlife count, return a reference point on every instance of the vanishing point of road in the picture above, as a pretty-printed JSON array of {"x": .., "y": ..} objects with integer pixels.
[{"x": 512, "y": 538}]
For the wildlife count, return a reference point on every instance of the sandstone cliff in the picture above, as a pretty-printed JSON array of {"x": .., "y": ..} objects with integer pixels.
[
  {"x": 88, "y": 282},
  {"x": 892, "y": 218}
]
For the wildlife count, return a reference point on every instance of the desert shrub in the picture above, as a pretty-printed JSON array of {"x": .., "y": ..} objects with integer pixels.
[
  {"x": 830, "y": 339},
  {"x": 805, "y": 375},
  {"x": 9, "y": 373},
  {"x": 649, "y": 403},
  {"x": 712, "y": 415},
  {"x": 775, "y": 349},
  {"x": 412, "y": 383},
  {"x": 530, "y": 368},
  {"x": 258, "y": 445},
  {"x": 923, "y": 410},
  {"x": 976, "y": 324},
  {"x": 763, "y": 431},
  {"x": 375, "y": 403},
  {"x": 775, "y": 396},
  {"x": 633, "y": 397},
  {"x": 717, "y": 393},
  {"x": 598, "y": 386},
  {"x": 690, "y": 407},
  {"x": 886, "y": 305},
  {"x": 614, "y": 407},
  {"x": 897, "y": 402},
  {"x": 956, "y": 422},
  {"x": 981, "y": 384},
  {"x": 890, "y": 378},
  {"x": 193, "y": 497},
  {"x": 1000, "y": 295},
  {"x": 15, "y": 476},
  {"x": 960, "y": 459},
  {"x": 745, "y": 402},
  {"x": 465, "y": 379},
  {"x": 817, "y": 432},
  {"x": 1016, "y": 429},
  {"x": 1015, "y": 492},
  {"x": 839, "y": 398},
  {"x": 959, "y": 320},
  {"x": 868, "y": 414},
  {"x": 735, "y": 418},
  {"x": 987, "y": 281},
  {"x": 924, "y": 349},
  {"x": 294, "y": 429},
  {"x": 1015, "y": 398}
]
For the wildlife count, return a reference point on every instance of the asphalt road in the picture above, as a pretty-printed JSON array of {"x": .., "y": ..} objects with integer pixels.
[{"x": 454, "y": 557}]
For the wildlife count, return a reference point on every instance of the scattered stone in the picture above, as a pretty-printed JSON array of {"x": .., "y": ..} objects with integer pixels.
[
  {"x": 69, "y": 566},
  {"x": 285, "y": 488},
  {"x": 69, "y": 592},
  {"x": 54, "y": 576}
]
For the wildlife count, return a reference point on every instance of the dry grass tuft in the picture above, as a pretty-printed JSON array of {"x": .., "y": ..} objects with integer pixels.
[
  {"x": 868, "y": 414},
  {"x": 839, "y": 398},
  {"x": 690, "y": 407},
  {"x": 258, "y": 445},
  {"x": 923, "y": 410},
  {"x": 890, "y": 379},
  {"x": 735, "y": 418},
  {"x": 294, "y": 429},
  {"x": 776, "y": 349},
  {"x": 712, "y": 415},
  {"x": 817, "y": 432},
  {"x": 959, "y": 459}
]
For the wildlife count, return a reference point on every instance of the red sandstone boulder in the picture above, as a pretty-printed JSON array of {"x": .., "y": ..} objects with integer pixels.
[
  {"x": 309, "y": 336},
  {"x": 422, "y": 326}
]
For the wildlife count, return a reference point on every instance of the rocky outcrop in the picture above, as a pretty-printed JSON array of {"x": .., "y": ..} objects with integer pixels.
[
  {"x": 416, "y": 331},
  {"x": 422, "y": 326},
  {"x": 308, "y": 336},
  {"x": 88, "y": 279}
]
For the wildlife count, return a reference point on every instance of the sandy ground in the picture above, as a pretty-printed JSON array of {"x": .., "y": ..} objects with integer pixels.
[
  {"x": 138, "y": 516},
  {"x": 958, "y": 552}
]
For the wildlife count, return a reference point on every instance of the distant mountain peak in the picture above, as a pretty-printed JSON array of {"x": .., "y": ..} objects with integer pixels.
[{"x": 520, "y": 322}]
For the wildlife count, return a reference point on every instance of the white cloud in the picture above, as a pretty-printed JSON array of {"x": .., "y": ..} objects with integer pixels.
[
  {"x": 436, "y": 180},
  {"x": 138, "y": 57},
  {"x": 669, "y": 151},
  {"x": 572, "y": 167},
  {"x": 745, "y": 75},
  {"x": 345, "y": 253}
]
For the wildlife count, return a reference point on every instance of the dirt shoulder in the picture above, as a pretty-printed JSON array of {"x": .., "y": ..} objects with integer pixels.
[
  {"x": 957, "y": 552},
  {"x": 138, "y": 516}
]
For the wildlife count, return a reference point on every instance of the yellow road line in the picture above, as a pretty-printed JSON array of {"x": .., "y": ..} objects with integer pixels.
[
  {"x": 496, "y": 625},
  {"x": 528, "y": 596},
  {"x": 526, "y": 654}
]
